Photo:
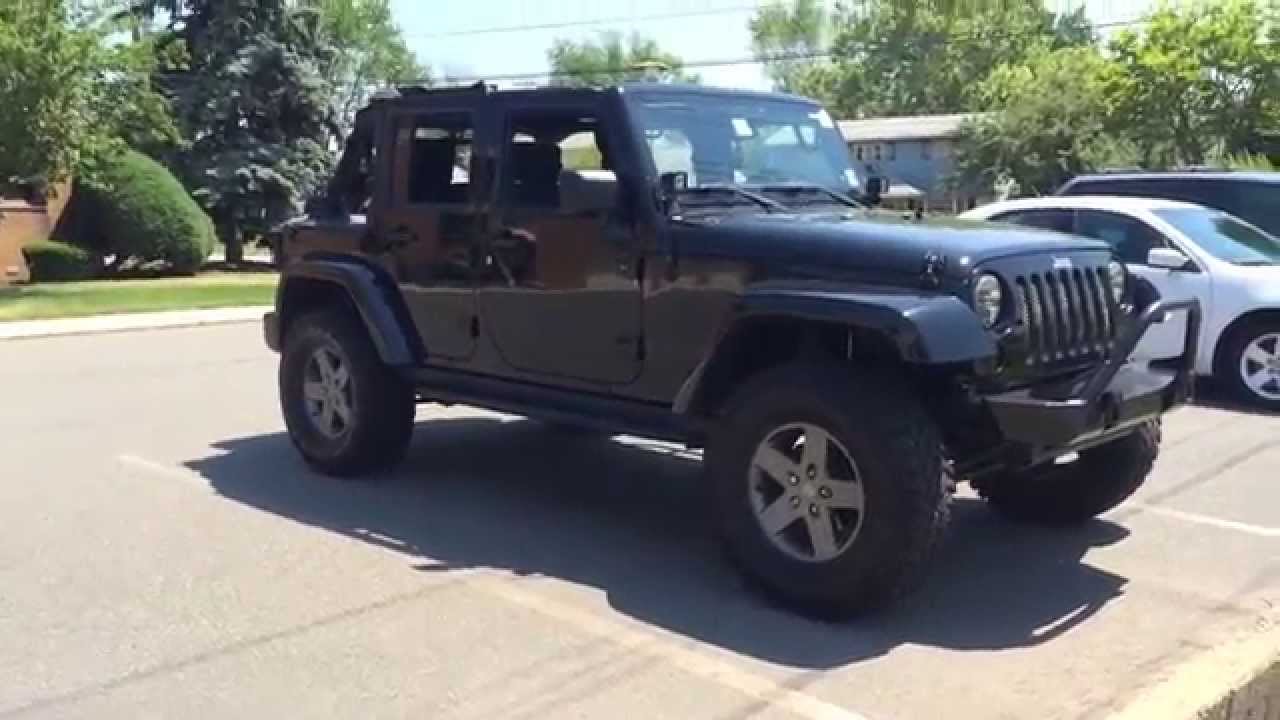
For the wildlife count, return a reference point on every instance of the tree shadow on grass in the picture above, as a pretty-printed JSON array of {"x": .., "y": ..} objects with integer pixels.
[{"x": 633, "y": 519}]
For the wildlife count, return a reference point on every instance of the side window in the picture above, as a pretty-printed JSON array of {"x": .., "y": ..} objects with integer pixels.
[
  {"x": 1132, "y": 239},
  {"x": 1059, "y": 220},
  {"x": 436, "y": 152},
  {"x": 543, "y": 142}
]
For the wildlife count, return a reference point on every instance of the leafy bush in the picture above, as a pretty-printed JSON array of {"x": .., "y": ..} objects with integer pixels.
[
  {"x": 52, "y": 261},
  {"x": 142, "y": 215}
]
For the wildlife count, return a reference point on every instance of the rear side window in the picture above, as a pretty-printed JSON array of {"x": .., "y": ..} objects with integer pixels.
[
  {"x": 1059, "y": 220},
  {"x": 435, "y": 152},
  {"x": 1254, "y": 202}
]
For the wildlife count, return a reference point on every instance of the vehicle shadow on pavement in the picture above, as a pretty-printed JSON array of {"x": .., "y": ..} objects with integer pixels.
[{"x": 634, "y": 520}]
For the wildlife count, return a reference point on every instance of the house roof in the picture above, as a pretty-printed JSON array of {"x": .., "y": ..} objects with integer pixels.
[{"x": 911, "y": 127}]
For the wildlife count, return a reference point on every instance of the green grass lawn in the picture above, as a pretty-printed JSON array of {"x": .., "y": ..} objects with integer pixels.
[{"x": 101, "y": 297}]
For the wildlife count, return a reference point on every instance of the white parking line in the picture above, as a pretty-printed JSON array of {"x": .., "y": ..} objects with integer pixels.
[
  {"x": 768, "y": 693},
  {"x": 1259, "y": 530}
]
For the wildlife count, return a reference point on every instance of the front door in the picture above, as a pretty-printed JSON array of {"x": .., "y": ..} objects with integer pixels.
[
  {"x": 559, "y": 292},
  {"x": 1133, "y": 239},
  {"x": 430, "y": 227}
]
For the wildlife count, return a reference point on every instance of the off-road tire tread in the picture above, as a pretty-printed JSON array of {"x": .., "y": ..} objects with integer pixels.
[
  {"x": 1101, "y": 479},
  {"x": 874, "y": 402},
  {"x": 385, "y": 407}
]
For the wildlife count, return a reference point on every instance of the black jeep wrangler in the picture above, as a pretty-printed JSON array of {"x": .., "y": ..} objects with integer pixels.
[{"x": 699, "y": 266}]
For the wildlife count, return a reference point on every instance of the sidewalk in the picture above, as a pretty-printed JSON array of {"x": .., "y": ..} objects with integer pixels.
[{"x": 125, "y": 322}]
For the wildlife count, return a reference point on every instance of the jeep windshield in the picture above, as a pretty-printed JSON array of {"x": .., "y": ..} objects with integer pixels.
[{"x": 786, "y": 150}]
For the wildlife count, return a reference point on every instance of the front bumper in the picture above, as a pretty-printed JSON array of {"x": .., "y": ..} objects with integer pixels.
[
  {"x": 271, "y": 331},
  {"x": 1083, "y": 410}
]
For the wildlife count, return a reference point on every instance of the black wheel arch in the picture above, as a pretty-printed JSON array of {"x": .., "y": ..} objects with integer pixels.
[
  {"x": 363, "y": 288},
  {"x": 775, "y": 326}
]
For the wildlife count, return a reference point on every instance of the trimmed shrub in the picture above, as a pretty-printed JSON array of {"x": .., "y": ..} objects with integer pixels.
[
  {"x": 52, "y": 261},
  {"x": 141, "y": 214}
]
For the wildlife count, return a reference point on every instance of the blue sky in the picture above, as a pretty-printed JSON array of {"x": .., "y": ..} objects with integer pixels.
[{"x": 444, "y": 32}]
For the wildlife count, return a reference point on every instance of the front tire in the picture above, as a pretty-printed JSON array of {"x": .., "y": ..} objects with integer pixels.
[
  {"x": 1071, "y": 493},
  {"x": 830, "y": 485},
  {"x": 346, "y": 412},
  {"x": 1250, "y": 363}
]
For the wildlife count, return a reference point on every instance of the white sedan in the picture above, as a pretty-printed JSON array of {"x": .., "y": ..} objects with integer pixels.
[{"x": 1186, "y": 251}]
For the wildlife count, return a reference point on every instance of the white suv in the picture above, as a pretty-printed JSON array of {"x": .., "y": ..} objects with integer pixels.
[{"x": 1186, "y": 251}]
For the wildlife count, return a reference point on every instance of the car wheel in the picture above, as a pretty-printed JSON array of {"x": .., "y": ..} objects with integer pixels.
[
  {"x": 830, "y": 487},
  {"x": 1069, "y": 493},
  {"x": 346, "y": 412},
  {"x": 1250, "y": 364}
]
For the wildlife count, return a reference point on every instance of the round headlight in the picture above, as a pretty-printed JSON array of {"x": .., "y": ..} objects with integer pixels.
[
  {"x": 1117, "y": 276},
  {"x": 988, "y": 298}
]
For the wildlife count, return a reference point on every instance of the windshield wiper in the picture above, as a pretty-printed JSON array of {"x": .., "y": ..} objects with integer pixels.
[
  {"x": 795, "y": 187},
  {"x": 768, "y": 204}
]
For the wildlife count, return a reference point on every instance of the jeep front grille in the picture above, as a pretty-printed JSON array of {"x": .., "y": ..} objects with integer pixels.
[{"x": 1067, "y": 314}]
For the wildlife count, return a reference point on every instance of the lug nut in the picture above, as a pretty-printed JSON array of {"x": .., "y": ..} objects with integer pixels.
[
  {"x": 793, "y": 479},
  {"x": 812, "y": 472},
  {"x": 795, "y": 502},
  {"x": 825, "y": 492},
  {"x": 813, "y": 510}
]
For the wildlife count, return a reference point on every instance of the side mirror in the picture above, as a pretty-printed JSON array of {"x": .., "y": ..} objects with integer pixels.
[
  {"x": 1167, "y": 258},
  {"x": 873, "y": 190},
  {"x": 588, "y": 191}
]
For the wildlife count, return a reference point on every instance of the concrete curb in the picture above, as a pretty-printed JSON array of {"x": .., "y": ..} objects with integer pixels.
[
  {"x": 1234, "y": 681},
  {"x": 99, "y": 324}
]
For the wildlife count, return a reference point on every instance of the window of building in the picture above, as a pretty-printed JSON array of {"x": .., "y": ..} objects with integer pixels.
[
  {"x": 859, "y": 153},
  {"x": 439, "y": 158},
  {"x": 892, "y": 153},
  {"x": 878, "y": 152}
]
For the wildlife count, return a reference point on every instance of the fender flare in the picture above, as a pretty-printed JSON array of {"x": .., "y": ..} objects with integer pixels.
[
  {"x": 923, "y": 329},
  {"x": 372, "y": 292}
]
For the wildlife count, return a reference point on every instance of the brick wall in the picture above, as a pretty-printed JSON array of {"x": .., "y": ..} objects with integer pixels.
[{"x": 21, "y": 223}]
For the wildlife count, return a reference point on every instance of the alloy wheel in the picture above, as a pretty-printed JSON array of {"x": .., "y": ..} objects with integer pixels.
[
  {"x": 806, "y": 492},
  {"x": 1260, "y": 366},
  {"x": 326, "y": 390}
]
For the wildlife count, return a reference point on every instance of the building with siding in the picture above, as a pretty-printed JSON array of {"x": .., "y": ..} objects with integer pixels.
[{"x": 914, "y": 155}]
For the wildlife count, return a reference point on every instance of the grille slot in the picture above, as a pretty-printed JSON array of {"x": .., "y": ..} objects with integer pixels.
[{"x": 1067, "y": 314}]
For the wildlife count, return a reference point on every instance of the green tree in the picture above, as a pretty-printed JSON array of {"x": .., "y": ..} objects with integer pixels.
[
  {"x": 369, "y": 51},
  {"x": 1050, "y": 119},
  {"x": 247, "y": 87},
  {"x": 1199, "y": 78},
  {"x": 612, "y": 59},
  {"x": 790, "y": 37},
  {"x": 896, "y": 57},
  {"x": 70, "y": 99}
]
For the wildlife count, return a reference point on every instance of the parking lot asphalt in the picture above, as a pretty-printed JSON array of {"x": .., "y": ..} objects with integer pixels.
[{"x": 166, "y": 554}]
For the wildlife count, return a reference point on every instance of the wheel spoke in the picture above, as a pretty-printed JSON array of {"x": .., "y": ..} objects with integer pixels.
[
  {"x": 341, "y": 376},
  {"x": 822, "y": 535},
  {"x": 845, "y": 495},
  {"x": 815, "y": 450},
  {"x": 774, "y": 463},
  {"x": 1256, "y": 354},
  {"x": 324, "y": 363},
  {"x": 314, "y": 390},
  {"x": 327, "y": 414},
  {"x": 778, "y": 516},
  {"x": 342, "y": 409}
]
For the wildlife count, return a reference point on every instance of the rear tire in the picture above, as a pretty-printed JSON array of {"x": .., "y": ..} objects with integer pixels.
[
  {"x": 346, "y": 412},
  {"x": 877, "y": 507},
  {"x": 1073, "y": 493}
]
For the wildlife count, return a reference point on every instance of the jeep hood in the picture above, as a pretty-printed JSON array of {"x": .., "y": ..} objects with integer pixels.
[{"x": 876, "y": 241}]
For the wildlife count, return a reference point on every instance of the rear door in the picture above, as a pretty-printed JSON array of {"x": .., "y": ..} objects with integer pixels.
[
  {"x": 430, "y": 225},
  {"x": 1132, "y": 239}
]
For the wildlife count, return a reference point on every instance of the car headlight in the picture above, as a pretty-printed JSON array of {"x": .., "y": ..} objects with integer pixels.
[
  {"x": 988, "y": 298},
  {"x": 1117, "y": 276}
]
